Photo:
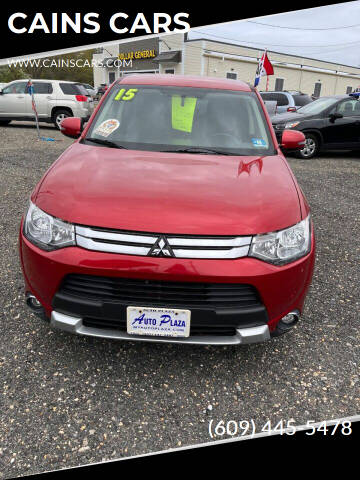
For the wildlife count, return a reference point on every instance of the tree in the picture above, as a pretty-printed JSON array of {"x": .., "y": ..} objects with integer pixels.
[{"x": 74, "y": 67}]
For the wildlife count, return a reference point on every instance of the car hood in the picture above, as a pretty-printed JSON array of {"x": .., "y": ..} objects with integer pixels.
[
  {"x": 288, "y": 117},
  {"x": 170, "y": 192}
]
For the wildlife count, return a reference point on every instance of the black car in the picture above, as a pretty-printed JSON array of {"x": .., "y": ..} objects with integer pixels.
[{"x": 329, "y": 123}]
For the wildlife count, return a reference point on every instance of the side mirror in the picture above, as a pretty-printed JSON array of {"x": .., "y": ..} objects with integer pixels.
[
  {"x": 71, "y": 127},
  {"x": 334, "y": 116},
  {"x": 291, "y": 109},
  {"x": 292, "y": 140}
]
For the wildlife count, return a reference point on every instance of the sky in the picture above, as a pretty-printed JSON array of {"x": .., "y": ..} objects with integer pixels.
[{"x": 330, "y": 33}]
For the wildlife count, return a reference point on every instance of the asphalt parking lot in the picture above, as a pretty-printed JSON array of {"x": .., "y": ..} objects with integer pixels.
[{"x": 71, "y": 400}]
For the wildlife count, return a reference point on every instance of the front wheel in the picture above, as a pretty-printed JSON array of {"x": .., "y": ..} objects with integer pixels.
[
  {"x": 311, "y": 147},
  {"x": 59, "y": 115}
]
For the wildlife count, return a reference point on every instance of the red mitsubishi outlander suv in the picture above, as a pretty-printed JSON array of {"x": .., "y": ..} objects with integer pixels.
[{"x": 173, "y": 217}]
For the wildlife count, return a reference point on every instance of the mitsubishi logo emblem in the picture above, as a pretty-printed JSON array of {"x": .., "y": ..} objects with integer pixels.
[{"x": 161, "y": 248}]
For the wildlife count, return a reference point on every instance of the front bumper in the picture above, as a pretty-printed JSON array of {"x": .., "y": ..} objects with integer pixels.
[
  {"x": 281, "y": 289},
  {"x": 75, "y": 325}
]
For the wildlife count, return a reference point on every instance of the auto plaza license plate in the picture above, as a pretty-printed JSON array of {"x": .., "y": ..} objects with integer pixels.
[{"x": 163, "y": 322}]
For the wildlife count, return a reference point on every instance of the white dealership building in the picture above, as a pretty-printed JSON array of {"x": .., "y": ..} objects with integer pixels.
[{"x": 179, "y": 54}]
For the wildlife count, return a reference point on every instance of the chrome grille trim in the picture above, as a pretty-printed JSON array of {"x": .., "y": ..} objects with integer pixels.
[
  {"x": 90, "y": 244},
  {"x": 231, "y": 253},
  {"x": 118, "y": 237},
  {"x": 209, "y": 242},
  {"x": 134, "y": 243}
]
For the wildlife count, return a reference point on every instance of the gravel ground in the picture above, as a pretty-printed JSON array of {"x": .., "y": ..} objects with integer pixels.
[{"x": 70, "y": 400}]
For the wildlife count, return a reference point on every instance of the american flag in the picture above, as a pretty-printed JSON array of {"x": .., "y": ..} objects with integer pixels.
[{"x": 264, "y": 68}]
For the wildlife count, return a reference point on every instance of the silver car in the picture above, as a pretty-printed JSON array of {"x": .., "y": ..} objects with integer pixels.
[
  {"x": 286, "y": 101},
  {"x": 54, "y": 99},
  {"x": 90, "y": 89}
]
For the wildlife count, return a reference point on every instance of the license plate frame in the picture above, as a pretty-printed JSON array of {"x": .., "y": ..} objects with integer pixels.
[{"x": 159, "y": 322}]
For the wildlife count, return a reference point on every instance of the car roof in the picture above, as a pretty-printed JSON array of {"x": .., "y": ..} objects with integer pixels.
[
  {"x": 275, "y": 91},
  {"x": 185, "y": 81},
  {"x": 41, "y": 80},
  {"x": 296, "y": 92}
]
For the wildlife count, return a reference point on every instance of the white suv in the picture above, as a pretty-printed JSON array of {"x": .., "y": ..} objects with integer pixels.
[{"x": 54, "y": 99}]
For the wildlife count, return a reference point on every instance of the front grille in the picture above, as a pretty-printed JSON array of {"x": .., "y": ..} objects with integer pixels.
[
  {"x": 194, "y": 330},
  {"x": 216, "y": 308},
  {"x": 215, "y": 296},
  {"x": 157, "y": 244}
]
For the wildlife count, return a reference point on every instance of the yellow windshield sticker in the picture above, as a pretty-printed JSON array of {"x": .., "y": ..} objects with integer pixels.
[
  {"x": 124, "y": 94},
  {"x": 182, "y": 113}
]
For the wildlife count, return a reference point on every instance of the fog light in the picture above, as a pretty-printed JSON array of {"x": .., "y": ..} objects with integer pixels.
[
  {"x": 289, "y": 318},
  {"x": 286, "y": 323},
  {"x": 33, "y": 302}
]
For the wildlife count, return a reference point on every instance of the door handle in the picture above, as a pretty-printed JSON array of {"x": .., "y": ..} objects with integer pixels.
[
  {"x": 20, "y": 96},
  {"x": 49, "y": 98}
]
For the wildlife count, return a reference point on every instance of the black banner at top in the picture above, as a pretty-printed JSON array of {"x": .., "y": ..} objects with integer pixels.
[{"x": 28, "y": 31}]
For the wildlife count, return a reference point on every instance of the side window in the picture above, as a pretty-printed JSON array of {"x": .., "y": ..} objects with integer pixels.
[
  {"x": 281, "y": 99},
  {"x": 274, "y": 97},
  {"x": 18, "y": 87},
  {"x": 72, "y": 89},
  {"x": 349, "y": 108},
  {"x": 42, "y": 87}
]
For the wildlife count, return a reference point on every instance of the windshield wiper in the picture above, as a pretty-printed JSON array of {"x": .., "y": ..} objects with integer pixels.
[
  {"x": 107, "y": 143},
  {"x": 204, "y": 151}
]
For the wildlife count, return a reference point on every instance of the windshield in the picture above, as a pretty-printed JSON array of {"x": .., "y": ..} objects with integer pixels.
[
  {"x": 318, "y": 105},
  {"x": 182, "y": 119}
]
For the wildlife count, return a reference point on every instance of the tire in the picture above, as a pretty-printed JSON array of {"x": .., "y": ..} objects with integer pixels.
[
  {"x": 4, "y": 122},
  {"x": 60, "y": 115},
  {"x": 311, "y": 149}
]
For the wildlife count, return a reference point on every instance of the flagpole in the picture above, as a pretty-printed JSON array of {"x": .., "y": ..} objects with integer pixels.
[
  {"x": 31, "y": 91},
  {"x": 37, "y": 125}
]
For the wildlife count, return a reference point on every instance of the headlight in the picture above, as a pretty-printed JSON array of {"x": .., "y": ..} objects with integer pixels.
[
  {"x": 284, "y": 246},
  {"x": 47, "y": 232},
  {"x": 291, "y": 125}
]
